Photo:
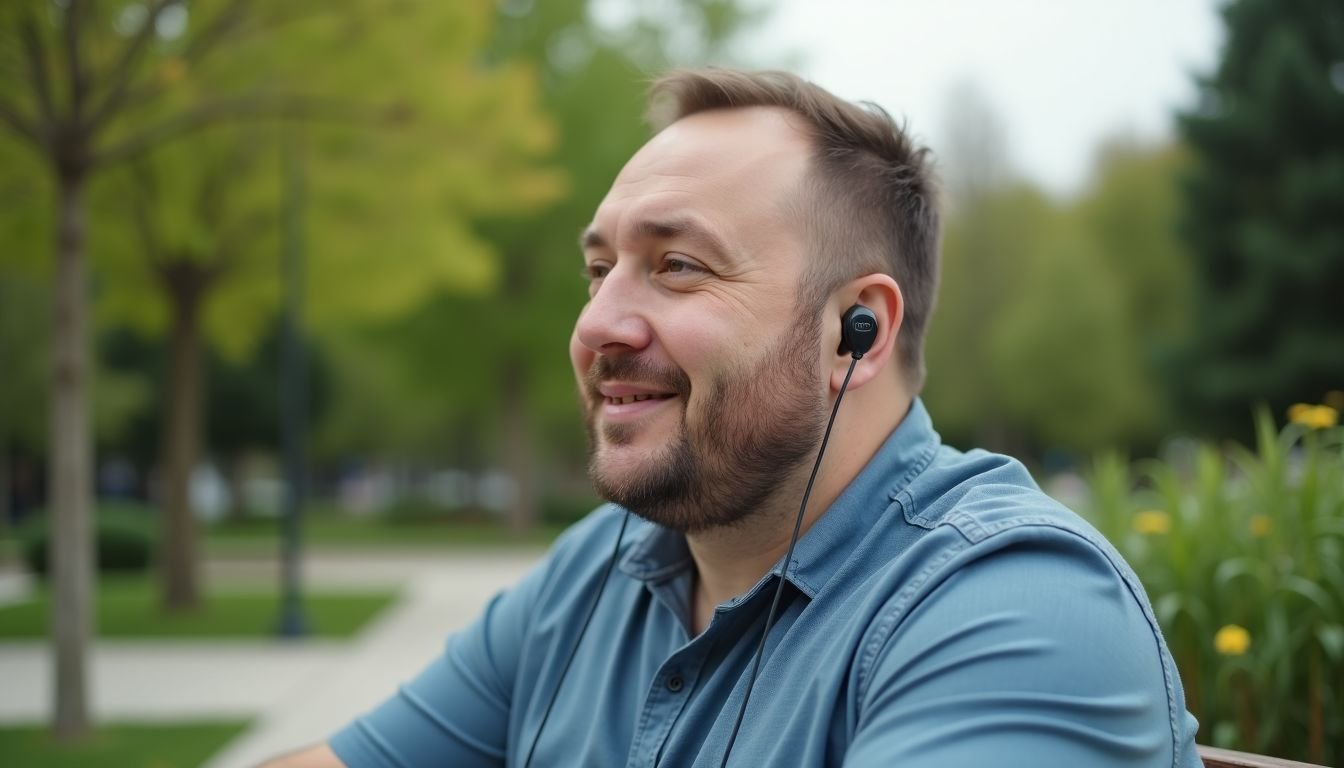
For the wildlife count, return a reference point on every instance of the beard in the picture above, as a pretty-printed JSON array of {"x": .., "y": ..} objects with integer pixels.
[{"x": 755, "y": 426}]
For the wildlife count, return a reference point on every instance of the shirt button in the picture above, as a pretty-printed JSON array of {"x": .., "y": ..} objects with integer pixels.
[{"x": 674, "y": 683}]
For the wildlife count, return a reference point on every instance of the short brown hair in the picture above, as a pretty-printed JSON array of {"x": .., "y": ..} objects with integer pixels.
[{"x": 870, "y": 198}]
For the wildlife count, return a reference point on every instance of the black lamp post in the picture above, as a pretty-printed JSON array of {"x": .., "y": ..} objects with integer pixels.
[{"x": 293, "y": 391}]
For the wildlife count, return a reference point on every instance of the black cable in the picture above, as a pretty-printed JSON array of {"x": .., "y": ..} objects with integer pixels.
[
  {"x": 592, "y": 609},
  {"x": 788, "y": 558}
]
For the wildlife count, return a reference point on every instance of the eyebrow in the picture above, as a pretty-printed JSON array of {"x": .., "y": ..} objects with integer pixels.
[{"x": 666, "y": 229}]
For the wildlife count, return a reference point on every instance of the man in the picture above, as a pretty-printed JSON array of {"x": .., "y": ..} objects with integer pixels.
[{"x": 939, "y": 609}]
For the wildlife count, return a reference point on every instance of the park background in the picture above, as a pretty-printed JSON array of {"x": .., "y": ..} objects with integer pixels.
[{"x": 225, "y": 224}]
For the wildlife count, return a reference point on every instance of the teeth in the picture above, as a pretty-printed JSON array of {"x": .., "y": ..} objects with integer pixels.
[{"x": 629, "y": 399}]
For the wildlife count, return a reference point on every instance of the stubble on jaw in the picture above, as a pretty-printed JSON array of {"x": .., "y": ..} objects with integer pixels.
[{"x": 757, "y": 425}]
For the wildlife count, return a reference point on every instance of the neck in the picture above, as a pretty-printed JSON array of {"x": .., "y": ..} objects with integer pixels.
[{"x": 730, "y": 560}]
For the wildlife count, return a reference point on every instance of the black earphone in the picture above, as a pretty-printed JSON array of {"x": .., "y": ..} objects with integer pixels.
[{"x": 858, "y": 331}]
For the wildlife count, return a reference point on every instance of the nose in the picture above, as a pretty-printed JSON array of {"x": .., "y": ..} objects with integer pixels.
[{"x": 615, "y": 320}]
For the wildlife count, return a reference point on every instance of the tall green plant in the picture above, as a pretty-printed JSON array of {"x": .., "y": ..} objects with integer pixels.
[{"x": 1242, "y": 553}]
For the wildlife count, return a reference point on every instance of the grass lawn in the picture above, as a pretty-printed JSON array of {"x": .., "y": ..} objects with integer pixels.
[
  {"x": 329, "y": 532},
  {"x": 128, "y": 607},
  {"x": 324, "y": 527},
  {"x": 184, "y": 745},
  {"x": 353, "y": 532}
]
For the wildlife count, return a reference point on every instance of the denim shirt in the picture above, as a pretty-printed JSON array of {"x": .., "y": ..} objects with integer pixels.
[{"x": 943, "y": 612}]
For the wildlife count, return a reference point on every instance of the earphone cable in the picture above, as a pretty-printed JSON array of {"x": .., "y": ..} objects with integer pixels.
[
  {"x": 592, "y": 609},
  {"x": 788, "y": 558}
]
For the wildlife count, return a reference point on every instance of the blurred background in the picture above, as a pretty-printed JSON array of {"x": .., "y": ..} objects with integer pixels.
[{"x": 285, "y": 293}]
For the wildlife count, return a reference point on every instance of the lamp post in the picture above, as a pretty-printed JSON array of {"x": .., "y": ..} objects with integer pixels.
[{"x": 293, "y": 390}]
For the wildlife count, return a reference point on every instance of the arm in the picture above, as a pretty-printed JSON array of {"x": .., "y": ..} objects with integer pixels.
[
  {"x": 319, "y": 756},
  {"x": 1036, "y": 654},
  {"x": 456, "y": 711}
]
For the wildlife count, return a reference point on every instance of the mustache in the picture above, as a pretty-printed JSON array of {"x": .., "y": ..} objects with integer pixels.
[{"x": 636, "y": 370}]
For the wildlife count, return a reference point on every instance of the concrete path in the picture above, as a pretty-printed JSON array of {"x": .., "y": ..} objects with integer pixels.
[
  {"x": 15, "y": 587},
  {"x": 165, "y": 680},
  {"x": 297, "y": 693}
]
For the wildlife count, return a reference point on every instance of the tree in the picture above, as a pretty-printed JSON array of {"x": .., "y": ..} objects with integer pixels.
[
  {"x": 202, "y": 247},
  {"x": 1265, "y": 217},
  {"x": 1052, "y": 314},
  {"x": 987, "y": 218},
  {"x": 1064, "y": 353},
  {"x": 99, "y": 86},
  {"x": 1131, "y": 212}
]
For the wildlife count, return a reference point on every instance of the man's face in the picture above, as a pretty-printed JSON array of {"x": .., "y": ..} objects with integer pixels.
[{"x": 700, "y": 376}]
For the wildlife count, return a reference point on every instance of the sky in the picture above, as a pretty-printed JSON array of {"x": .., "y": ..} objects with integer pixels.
[{"x": 1062, "y": 76}]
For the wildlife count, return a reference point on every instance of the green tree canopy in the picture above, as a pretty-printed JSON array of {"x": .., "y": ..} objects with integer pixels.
[
  {"x": 1265, "y": 216},
  {"x": 1053, "y": 314}
]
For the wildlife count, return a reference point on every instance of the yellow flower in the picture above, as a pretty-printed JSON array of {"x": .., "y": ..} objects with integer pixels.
[
  {"x": 1313, "y": 416},
  {"x": 1152, "y": 521},
  {"x": 1261, "y": 525},
  {"x": 1232, "y": 640}
]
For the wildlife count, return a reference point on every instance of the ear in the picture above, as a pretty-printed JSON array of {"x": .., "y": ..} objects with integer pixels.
[{"x": 881, "y": 294}]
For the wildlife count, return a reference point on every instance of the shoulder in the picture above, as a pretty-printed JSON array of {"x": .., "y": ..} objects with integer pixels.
[
  {"x": 1037, "y": 648},
  {"x": 984, "y": 511},
  {"x": 1022, "y": 596},
  {"x": 980, "y": 502}
]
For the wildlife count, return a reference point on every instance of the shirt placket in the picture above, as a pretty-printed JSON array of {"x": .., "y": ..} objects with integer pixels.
[
  {"x": 665, "y": 701},
  {"x": 671, "y": 687}
]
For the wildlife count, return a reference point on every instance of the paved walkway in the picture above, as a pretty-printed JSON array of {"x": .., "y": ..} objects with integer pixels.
[{"x": 296, "y": 693}]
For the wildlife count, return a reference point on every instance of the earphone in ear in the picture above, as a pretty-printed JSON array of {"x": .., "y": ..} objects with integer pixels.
[{"x": 858, "y": 331}]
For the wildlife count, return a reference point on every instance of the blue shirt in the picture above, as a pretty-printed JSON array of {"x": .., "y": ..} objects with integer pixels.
[{"x": 943, "y": 612}]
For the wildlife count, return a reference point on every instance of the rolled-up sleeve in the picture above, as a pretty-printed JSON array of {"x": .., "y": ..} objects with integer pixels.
[{"x": 1036, "y": 654}]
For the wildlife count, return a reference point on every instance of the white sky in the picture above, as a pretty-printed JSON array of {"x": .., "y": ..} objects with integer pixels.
[{"x": 1062, "y": 75}]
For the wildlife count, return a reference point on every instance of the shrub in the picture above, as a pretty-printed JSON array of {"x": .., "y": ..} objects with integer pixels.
[
  {"x": 123, "y": 541},
  {"x": 1242, "y": 554}
]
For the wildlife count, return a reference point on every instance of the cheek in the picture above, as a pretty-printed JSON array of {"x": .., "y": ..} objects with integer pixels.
[{"x": 707, "y": 351}]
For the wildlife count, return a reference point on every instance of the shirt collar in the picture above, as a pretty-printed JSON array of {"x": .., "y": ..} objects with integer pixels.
[{"x": 657, "y": 553}]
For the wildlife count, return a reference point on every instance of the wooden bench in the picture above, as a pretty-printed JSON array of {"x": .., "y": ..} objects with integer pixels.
[{"x": 1226, "y": 758}]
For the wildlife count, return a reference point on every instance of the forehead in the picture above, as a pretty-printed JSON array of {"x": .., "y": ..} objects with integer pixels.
[{"x": 736, "y": 170}]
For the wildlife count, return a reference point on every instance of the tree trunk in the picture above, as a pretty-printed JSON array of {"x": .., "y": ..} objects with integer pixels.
[
  {"x": 70, "y": 498},
  {"x": 181, "y": 439},
  {"x": 518, "y": 437}
]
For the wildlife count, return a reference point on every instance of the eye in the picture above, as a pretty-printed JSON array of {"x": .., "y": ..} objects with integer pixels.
[
  {"x": 675, "y": 264},
  {"x": 592, "y": 273},
  {"x": 595, "y": 271}
]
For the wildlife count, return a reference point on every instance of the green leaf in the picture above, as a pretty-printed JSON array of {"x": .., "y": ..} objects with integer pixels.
[{"x": 1331, "y": 638}]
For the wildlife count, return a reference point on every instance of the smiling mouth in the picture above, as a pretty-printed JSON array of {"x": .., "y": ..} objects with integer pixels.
[{"x": 636, "y": 398}]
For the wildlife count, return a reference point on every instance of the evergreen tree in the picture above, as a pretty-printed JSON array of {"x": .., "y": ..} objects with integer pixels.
[{"x": 1265, "y": 217}]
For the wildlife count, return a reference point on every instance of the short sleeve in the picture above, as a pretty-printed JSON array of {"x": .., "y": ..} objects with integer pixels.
[
  {"x": 456, "y": 711},
  {"x": 1035, "y": 654}
]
